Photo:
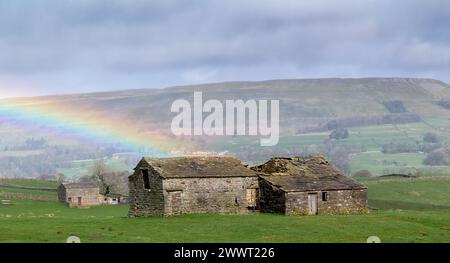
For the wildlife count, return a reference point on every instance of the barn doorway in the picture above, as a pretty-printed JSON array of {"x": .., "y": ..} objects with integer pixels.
[
  {"x": 175, "y": 203},
  {"x": 312, "y": 204},
  {"x": 79, "y": 200},
  {"x": 251, "y": 198}
]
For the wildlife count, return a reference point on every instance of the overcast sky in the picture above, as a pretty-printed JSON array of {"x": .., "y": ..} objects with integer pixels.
[{"x": 49, "y": 47}]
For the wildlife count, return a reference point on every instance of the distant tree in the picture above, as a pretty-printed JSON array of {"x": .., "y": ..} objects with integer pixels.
[
  {"x": 99, "y": 169},
  {"x": 437, "y": 157},
  {"x": 339, "y": 134},
  {"x": 430, "y": 137},
  {"x": 394, "y": 106},
  {"x": 332, "y": 125},
  {"x": 340, "y": 158},
  {"x": 444, "y": 103},
  {"x": 33, "y": 143}
]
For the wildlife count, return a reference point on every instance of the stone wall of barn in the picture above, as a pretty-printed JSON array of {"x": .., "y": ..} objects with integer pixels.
[
  {"x": 337, "y": 202},
  {"x": 210, "y": 195},
  {"x": 271, "y": 199},
  {"x": 146, "y": 202},
  {"x": 89, "y": 197}
]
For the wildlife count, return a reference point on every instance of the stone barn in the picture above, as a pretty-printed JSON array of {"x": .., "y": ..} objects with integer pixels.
[
  {"x": 308, "y": 186},
  {"x": 171, "y": 186},
  {"x": 80, "y": 194}
]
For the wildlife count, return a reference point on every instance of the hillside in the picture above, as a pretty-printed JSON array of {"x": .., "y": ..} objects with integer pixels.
[
  {"x": 64, "y": 134},
  {"x": 302, "y": 102}
]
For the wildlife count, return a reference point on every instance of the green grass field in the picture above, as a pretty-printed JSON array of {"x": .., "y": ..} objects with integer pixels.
[
  {"x": 29, "y": 183},
  {"x": 25, "y": 191},
  {"x": 410, "y": 194},
  {"x": 406, "y": 210},
  {"x": 10, "y": 188}
]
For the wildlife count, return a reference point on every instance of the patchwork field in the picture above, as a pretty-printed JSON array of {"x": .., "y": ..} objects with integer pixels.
[
  {"x": 404, "y": 210},
  {"x": 379, "y": 163},
  {"x": 82, "y": 168}
]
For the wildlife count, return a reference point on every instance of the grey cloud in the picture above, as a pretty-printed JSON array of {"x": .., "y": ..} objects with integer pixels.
[{"x": 96, "y": 45}]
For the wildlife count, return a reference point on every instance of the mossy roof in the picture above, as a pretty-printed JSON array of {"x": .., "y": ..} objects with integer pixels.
[
  {"x": 80, "y": 185},
  {"x": 198, "y": 167},
  {"x": 299, "y": 174}
]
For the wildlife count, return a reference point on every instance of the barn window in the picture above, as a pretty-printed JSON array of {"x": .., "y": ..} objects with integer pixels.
[
  {"x": 146, "y": 179},
  {"x": 324, "y": 196},
  {"x": 69, "y": 199}
]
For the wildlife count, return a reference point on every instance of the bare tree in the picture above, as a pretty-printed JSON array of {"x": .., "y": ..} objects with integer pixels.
[
  {"x": 430, "y": 137},
  {"x": 437, "y": 157},
  {"x": 60, "y": 177},
  {"x": 99, "y": 173},
  {"x": 110, "y": 181}
]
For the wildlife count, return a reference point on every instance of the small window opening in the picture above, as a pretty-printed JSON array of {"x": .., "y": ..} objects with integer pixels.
[
  {"x": 146, "y": 179},
  {"x": 324, "y": 196}
]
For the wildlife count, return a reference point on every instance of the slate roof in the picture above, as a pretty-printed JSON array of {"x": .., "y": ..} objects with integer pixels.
[
  {"x": 198, "y": 167},
  {"x": 80, "y": 185},
  {"x": 300, "y": 174}
]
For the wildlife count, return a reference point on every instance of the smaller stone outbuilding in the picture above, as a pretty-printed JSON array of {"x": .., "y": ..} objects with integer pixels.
[
  {"x": 308, "y": 186},
  {"x": 114, "y": 199},
  {"x": 80, "y": 194},
  {"x": 87, "y": 194}
]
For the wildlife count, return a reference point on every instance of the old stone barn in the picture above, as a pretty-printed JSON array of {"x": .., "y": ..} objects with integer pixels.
[
  {"x": 79, "y": 194},
  {"x": 85, "y": 195},
  {"x": 291, "y": 186},
  {"x": 308, "y": 186},
  {"x": 174, "y": 186}
]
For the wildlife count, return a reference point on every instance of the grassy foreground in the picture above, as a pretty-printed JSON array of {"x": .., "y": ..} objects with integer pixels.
[
  {"x": 407, "y": 211},
  {"x": 33, "y": 221}
]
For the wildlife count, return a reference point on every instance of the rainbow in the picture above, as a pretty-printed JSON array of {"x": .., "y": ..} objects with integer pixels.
[{"x": 86, "y": 124}]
